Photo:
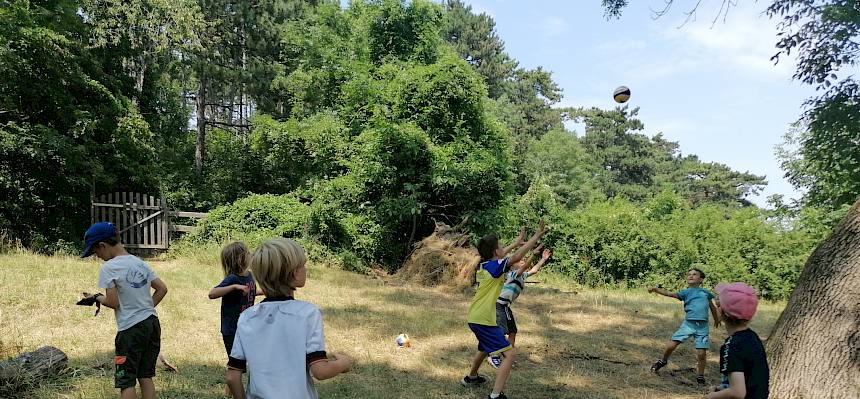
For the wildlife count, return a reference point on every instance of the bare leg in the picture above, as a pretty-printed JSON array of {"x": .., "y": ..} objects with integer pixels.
[
  {"x": 147, "y": 388},
  {"x": 512, "y": 337},
  {"x": 702, "y": 356},
  {"x": 128, "y": 393},
  {"x": 476, "y": 363},
  {"x": 504, "y": 371},
  {"x": 670, "y": 347}
]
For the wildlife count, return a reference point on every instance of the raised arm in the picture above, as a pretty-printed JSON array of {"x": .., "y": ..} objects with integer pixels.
[
  {"x": 523, "y": 250},
  {"x": 663, "y": 292},
  {"x": 327, "y": 368},
  {"x": 518, "y": 242},
  {"x": 544, "y": 257}
]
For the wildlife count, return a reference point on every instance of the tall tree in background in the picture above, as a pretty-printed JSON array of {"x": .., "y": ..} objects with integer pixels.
[{"x": 475, "y": 39}]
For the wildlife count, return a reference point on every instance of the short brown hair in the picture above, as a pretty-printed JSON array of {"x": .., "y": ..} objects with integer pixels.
[
  {"x": 697, "y": 270},
  {"x": 273, "y": 264},
  {"x": 487, "y": 246}
]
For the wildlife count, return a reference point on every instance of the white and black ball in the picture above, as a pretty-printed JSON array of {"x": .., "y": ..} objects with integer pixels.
[{"x": 621, "y": 94}]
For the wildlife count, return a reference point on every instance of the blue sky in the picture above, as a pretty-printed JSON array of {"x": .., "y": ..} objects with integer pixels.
[{"x": 709, "y": 86}]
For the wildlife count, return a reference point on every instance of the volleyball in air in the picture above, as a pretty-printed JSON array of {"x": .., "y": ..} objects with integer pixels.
[{"x": 621, "y": 94}]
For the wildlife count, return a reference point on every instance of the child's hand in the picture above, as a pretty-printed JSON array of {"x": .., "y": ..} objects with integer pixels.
[
  {"x": 546, "y": 254},
  {"x": 716, "y": 323},
  {"x": 244, "y": 288},
  {"x": 521, "y": 239},
  {"x": 345, "y": 360},
  {"x": 541, "y": 227}
]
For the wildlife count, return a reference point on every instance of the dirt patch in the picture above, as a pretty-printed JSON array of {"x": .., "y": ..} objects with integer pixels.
[{"x": 445, "y": 258}]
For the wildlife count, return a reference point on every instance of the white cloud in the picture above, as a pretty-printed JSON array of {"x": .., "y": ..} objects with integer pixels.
[
  {"x": 742, "y": 44},
  {"x": 553, "y": 26}
]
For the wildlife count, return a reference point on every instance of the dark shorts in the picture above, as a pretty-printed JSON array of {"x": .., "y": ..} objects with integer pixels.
[
  {"x": 505, "y": 319},
  {"x": 137, "y": 352},
  {"x": 491, "y": 339},
  {"x": 228, "y": 343}
]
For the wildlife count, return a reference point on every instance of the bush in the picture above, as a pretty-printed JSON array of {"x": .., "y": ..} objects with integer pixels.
[{"x": 255, "y": 216}]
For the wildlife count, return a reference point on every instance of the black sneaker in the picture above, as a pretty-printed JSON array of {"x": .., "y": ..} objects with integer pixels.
[
  {"x": 501, "y": 396},
  {"x": 472, "y": 381},
  {"x": 658, "y": 365},
  {"x": 700, "y": 379}
]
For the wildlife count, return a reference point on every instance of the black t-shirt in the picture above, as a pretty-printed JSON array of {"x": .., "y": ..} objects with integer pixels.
[
  {"x": 236, "y": 301},
  {"x": 744, "y": 352}
]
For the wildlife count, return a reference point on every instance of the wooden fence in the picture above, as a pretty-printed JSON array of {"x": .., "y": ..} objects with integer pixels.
[{"x": 145, "y": 222}]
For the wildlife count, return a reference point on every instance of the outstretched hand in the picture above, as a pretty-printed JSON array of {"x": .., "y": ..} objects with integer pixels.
[{"x": 546, "y": 254}]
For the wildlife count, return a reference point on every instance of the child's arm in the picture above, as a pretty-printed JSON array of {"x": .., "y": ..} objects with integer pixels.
[
  {"x": 517, "y": 256},
  {"x": 160, "y": 291},
  {"x": 327, "y": 368},
  {"x": 544, "y": 257},
  {"x": 529, "y": 262},
  {"x": 716, "y": 314},
  {"x": 234, "y": 381},
  {"x": 218, "y": 292},
  {"x": 737, "y": 388},
  {"x": 518, "y": 242},
  {"x": 663, "y": 292},
  {"x": 109, "y": 299}
]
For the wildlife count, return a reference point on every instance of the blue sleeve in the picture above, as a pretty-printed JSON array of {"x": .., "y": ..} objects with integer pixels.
[
  {"x": 229, "y": 280},
  {"x": 682, "y": 294},
  {"x": 496, "y": 267},
  {"x": 710, "y": 295}
]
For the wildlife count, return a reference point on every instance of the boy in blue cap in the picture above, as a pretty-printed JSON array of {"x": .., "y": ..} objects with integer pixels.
[{"x": 128, "y": 283}]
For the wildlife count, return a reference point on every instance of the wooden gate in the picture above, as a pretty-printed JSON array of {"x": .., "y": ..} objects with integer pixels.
[{"x": 144, "y": 222}]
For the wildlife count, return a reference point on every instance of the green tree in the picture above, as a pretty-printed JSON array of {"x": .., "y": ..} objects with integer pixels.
[
  {"x": 475, "y": 39},
  {"x": 64, "y": 127}
]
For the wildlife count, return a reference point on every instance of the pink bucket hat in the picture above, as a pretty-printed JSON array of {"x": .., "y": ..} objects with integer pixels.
[{"x": 737, "y": 300}]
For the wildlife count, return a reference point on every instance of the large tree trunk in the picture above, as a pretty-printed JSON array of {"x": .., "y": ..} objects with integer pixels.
[
  {"x": 814, "y": 349},
  {"x": 200, "y": 146},
  {"x": 29, "y": 368}
]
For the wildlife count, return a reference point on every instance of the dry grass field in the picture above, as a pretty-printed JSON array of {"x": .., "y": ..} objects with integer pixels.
[{"x": 574, "y": 342}]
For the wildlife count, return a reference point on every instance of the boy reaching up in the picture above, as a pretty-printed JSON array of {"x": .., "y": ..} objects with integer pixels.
[{"x": 482, "y": 312}]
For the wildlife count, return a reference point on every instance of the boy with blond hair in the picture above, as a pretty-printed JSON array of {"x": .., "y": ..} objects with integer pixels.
[{"x": 280, "y": 341}]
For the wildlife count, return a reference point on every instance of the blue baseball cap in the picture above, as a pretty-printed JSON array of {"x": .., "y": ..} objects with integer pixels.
[{"x": 96, "y": 233}]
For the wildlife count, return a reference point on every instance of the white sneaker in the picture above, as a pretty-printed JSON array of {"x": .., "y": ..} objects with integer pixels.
[{"x": 495, "y": 361}]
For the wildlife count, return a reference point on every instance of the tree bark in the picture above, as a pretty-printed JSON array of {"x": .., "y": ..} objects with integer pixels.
[
  {"x": 200, "y": 147},
  {"x": 814, "y": 349},
  {"x": 30, "y": 367}
]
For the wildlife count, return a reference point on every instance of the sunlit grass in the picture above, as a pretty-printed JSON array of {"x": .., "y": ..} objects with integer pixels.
[{"x": 574, "y": 342}]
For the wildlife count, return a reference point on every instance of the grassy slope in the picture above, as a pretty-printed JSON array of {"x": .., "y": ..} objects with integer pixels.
[{"x": 591, "y": 344}]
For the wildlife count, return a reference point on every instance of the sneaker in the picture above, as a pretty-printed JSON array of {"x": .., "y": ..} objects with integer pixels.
[
  {"x": 472, "y": 381},
  {"x": 495, "y": 361},
  {"x": 501, "y": 396},
  {"x": 700, "y": 380},
  {"x": 658, "y": 365}
]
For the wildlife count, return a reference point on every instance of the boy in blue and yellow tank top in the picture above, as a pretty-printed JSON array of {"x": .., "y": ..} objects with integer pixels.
[{"x": 482, "y": 312}]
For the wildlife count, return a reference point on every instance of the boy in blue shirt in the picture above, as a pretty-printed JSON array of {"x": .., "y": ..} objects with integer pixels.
[{"x": 697, "y": 300}]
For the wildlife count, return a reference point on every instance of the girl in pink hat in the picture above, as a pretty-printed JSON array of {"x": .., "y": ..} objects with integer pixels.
[{"x": 743, "y": 364}]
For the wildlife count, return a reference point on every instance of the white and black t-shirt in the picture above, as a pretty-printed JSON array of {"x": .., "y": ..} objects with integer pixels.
[
  {"x": 744, "y": 352},
  {"x": 276, "y": 342}
]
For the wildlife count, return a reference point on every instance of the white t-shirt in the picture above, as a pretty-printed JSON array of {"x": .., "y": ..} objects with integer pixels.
[
  {"x": 276, "y": 341},
  {"x": 132, "y": 279}
]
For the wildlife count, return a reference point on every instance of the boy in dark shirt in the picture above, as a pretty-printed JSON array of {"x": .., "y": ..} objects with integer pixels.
[{"x": 743, "y": 364}]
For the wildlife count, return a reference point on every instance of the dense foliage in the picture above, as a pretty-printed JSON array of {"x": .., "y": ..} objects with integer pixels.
[{"x": 356, "y": 129}]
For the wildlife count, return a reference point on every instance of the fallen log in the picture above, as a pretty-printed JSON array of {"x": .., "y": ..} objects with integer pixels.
[{"x": 28, "y": 368}]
